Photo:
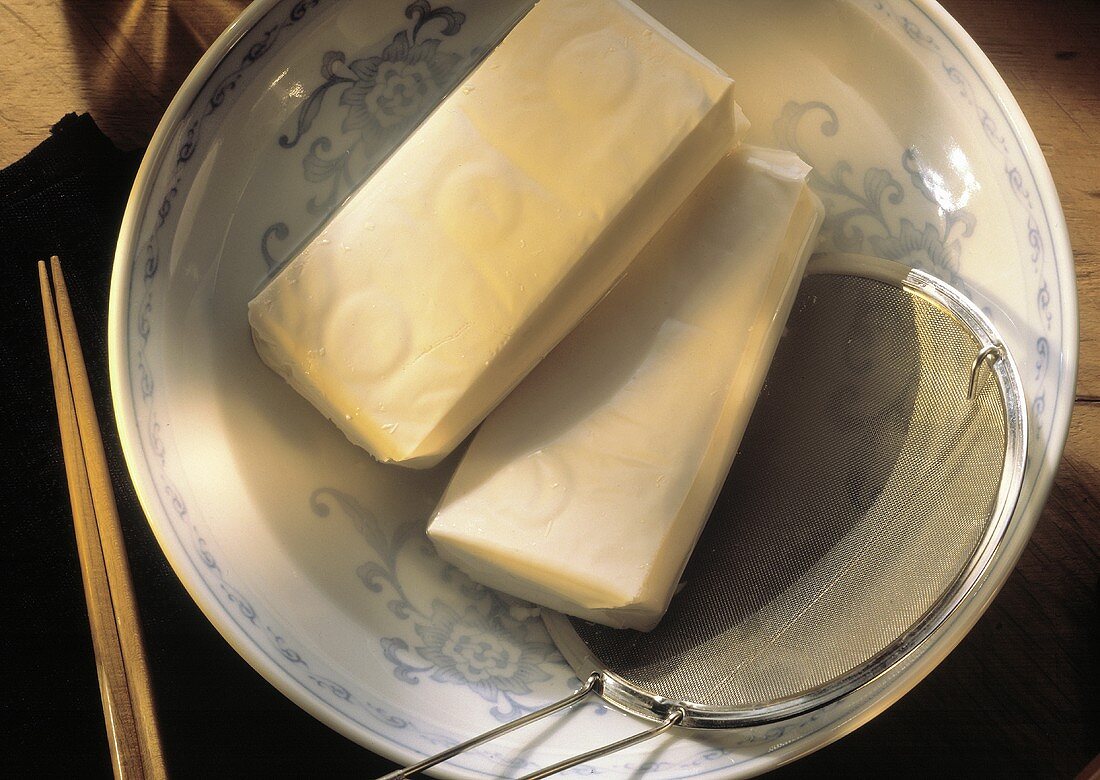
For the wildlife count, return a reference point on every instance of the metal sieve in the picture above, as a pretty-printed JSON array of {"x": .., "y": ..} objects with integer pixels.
[{"x": 873, "y": 486}]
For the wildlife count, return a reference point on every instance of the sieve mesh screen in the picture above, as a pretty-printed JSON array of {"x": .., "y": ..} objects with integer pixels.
[{"x": 864, "y": 485}]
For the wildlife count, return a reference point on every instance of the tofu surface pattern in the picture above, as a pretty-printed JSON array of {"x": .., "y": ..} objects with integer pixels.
[
  {"x": 495, "y": 226},
  {"x": 586, "y": 489}
]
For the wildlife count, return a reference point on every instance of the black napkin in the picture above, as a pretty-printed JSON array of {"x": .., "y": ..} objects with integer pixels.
[{"x": 218, "y": 717}]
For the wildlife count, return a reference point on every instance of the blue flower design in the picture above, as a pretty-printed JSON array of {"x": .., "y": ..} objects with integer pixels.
[
  {"x": 384, "y": 96},
  {"x": 394, "y": 86},
  {"x": 861, "y": 209},
  {"x": 497, "y": 646},
  {"x": 488, "y": 655},
  {"x": 919, "y": 248}
]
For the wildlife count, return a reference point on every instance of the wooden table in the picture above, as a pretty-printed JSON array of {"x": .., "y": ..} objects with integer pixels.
[{"x": 1019, "y": 696}]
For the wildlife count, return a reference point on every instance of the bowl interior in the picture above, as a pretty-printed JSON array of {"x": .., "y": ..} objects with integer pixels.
[{"x": 309, "y": 556}]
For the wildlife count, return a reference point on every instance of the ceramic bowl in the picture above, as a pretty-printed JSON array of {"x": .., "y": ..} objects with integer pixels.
[{"x": 309, "y": 557}]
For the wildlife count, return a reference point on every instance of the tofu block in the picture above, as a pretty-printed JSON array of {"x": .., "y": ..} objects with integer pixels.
[
  {"x": 587, "y": 488},
  {"x": 495, "y": 226}
]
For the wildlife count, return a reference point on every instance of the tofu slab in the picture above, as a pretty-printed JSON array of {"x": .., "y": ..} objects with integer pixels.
[
  {"x": 586, "y": 489},
  {"x": 495, "y": 226}
]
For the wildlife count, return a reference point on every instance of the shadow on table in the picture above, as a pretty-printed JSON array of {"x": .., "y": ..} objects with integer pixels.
[{"x": 134, "y": 54}]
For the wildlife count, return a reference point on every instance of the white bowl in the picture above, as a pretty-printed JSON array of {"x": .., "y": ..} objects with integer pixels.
[{"x": 308, "y": 556}]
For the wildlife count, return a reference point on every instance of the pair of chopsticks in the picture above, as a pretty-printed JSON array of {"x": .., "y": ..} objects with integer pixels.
[{"x": 112, "y": 612}]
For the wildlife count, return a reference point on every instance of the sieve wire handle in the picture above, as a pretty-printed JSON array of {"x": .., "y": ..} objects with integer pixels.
[
  {"x": 995, "y": 351},
  {"x": 594, "y": 684},
  {"x": 673, "y": 718}
]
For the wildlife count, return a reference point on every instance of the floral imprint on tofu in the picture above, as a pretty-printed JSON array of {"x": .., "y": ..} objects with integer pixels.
[
  {"x": 872, "y": 216},
  {"x": 381, "y": 98},
  {"x": 482, "y": 640}
]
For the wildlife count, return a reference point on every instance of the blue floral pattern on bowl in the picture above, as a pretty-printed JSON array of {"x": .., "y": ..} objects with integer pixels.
[
  {"x": 495, "y": 646},
  {"x": 382, "y": 95},
  {"x": 856, "y": 207}
]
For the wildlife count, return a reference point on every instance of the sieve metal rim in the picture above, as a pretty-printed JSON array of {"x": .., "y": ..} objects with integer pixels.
[{"x": 638, "y": 701}]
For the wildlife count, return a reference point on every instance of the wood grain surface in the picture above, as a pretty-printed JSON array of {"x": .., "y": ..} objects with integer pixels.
[{"x": 1019, "y": 696}]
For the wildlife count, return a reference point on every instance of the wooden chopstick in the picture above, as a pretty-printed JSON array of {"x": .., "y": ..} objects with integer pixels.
[{"x": 112, "y": 611}]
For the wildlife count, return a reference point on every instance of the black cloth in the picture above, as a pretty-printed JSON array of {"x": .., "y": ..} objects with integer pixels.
[{"x": 218, "y": 717}]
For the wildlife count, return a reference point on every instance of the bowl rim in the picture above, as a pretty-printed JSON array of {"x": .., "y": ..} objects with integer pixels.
[
  {"x": 117, "y": 350},
  {"x": 130, "y": 436}
]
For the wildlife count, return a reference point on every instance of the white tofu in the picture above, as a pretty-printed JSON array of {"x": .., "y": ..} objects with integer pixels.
[
  {"x": 491, "y": 231},
  {"x": 586, "y": 489}
]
